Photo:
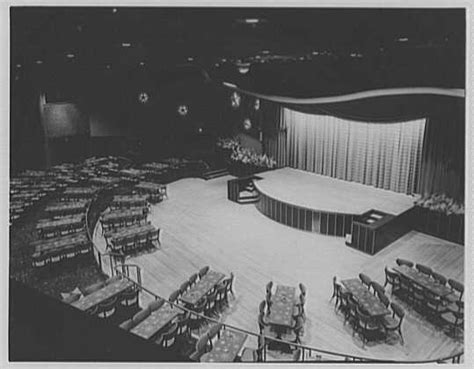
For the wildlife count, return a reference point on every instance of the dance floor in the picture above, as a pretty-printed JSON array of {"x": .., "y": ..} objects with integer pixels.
[
  {"x": 201, "y": 227},
  {"x": 317, "y": 192}
]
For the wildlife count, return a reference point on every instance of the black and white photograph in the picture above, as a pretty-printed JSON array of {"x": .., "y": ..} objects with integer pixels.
[{"x": 257, "y": 183}]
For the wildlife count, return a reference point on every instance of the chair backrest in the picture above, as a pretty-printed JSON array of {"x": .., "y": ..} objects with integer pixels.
[
  {"x": 297, "y": 355},
  {"x": 397, "y": 310},
  {"x": 424, "y": 269},
  {"x": 262, "y": 306},
  {"x": 184, "y": 286},
  {"x": 214, "y": 330},
  {"x": 390, "y": 275},
  {"x": 127, "y": 325},
  {"x": 383, "y": 298},
  {"x": 365, "y": 279},
  {"x": 171, "y": 332},
  {"x": 364, "y": 318},
  {"x": 302, "y": 289},
  {"x": 457, "y": 286},
  {"x": 174, "y": 296},
  {"x": 141, "y": 315},
  {"x": 193, "y": 278},
  {"x": 203, "y": 271},
  {"x": 155, "y": 305},
  {"x": 299, "y": 323},
  {"x": 408, "y": 263},
  {"x": 441, "y": 279},
  {"x": 261, "y": 322},
  {"x": 377, "y": 287},
  {"x": 269, "y": 287},
  {"x": 199, "y": 307}
]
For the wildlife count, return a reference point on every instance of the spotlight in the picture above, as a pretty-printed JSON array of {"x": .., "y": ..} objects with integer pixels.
[
  {"x": 70, "y": 56},
  {"x": 39, "y": 62}
]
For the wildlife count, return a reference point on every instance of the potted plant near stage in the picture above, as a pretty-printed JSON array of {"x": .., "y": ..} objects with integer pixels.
[
  {"x": 441, "y": 216},
  {"x": 244, "y": 161}
]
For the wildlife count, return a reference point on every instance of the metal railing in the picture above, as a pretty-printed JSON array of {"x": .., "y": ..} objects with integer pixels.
[{"x": 306, "y": 351}]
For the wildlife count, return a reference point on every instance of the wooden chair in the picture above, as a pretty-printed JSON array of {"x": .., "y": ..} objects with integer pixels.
[
  {"x": 454, "y": 321},
  {"x": 251, "y": 355},
  {"x": 197, "y": 321},
  {"x": 367, "y": 326},
  {"x": 155, "y": 305},
  {"x": 214, "y": 333},
  {"x": 107, "y": 308},
  {"x": 457, "y": 291},
  {"x": 336, "y": 291},
  {"x": 210, "y": 308},
  {"x": 203, "y": 272},
  {"x": 184, "y": 287},
  {"x": 433, "y": 305},
  {"x": 393, "y": 279},
  {"x": 129, "y": 298},
  {"x": 262, "y": 324},
  {"x": 192, "y": 280},
  {"x": 392, "y": 324},
  {"x": 376, "y": 288},
  {"x": 365, "y": 279},
  {"x": 183, "y": 324},
  {"x": 302, "y": 289},
  {"x": 262, "y": 306},
  {"x": 424, "y": 269},
  {"x": 383, "y": 298},
  {"x": 220, "y": 297},
  {"x": 229, "y": 283},
  {"x": 441, "y": 279},
  {"x": 174, "y": 296},
  {"x": 268, "y": 300},
  {"x": 401, "y": 262},
  {"x": 269, "y": 287},
  {"x": 168, "y": 338}
]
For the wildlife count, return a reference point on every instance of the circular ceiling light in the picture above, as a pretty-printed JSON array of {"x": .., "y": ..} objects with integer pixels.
[
  {"x": 243, "y": 68},
  {"x": 256, "y": 104},
  {"x": 235, "y": 100},
  {"x": 143, "y": 97},
  {"x": 247, "y": 124},
  {"x": 182, "y": 110}
]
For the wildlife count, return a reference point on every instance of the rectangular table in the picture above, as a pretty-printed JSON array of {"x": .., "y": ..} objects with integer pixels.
[
  {"x": 423, "y": 280},
  {"x": 135, "y": 230},
  {"x": 129, "y": 201},
  {"x": 226, "y": 348},
  {"x": 366, "y": 300},
  {"x": 122, "y": 215},
  {"x": 200, "y": 289},
  {"x": 78, "y": 193},
  {"x": 77, "y": 239},
  {"x": 104, "y": 181},
  {"x": 68, "y": 222},
  {"x": 105, "y": 293},
  {"x": 283, "y": 302},
  {"x": 156, "y": 321},
  {"x": 67, "y": 208}
]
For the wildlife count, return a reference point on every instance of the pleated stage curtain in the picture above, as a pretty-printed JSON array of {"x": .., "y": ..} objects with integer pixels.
[{"x": 383, "y": 155}]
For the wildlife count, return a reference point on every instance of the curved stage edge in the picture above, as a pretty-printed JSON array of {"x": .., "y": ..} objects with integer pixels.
[{"x": 312, "y": 220}]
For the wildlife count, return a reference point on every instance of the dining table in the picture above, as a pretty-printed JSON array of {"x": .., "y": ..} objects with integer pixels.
[
  {"x": 282, "y": 304},
  {"x": 70, "y": 241},
  {"x": 135, "y": 230},
  {"x": 156, "y": 321},
  {"x": 202, "y": 287},
  {"x": 364, "y": 298},
  {"x": 423, "y": 280},
  {"x": 123, "y": 215},
  {"x": 67, "y": 207},
  {"x": 74, "y": 222},
  {"x": 111, "y": 290},
  {"x": 226, "y": 348},
  {"x": 119, "y": 201}
]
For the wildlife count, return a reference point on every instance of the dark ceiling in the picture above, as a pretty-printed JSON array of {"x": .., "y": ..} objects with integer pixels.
[{"x": 307, "y": 51}]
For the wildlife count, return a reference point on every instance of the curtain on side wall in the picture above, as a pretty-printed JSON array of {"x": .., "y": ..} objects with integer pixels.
[{"x": 384, "y": 155}]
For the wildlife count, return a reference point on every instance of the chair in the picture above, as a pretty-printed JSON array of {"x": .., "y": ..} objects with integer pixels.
[
  {"x": 174, "y": 296},
  {"x": 405, "y": 262},
  {"x": 127, "y": 325},
  {"x": 383, "y": 299},
  {"x": 406, "y": 287},
  {"x": 433, "y": 305},
  {"x": 302, "y": 289},
  {"x": 262, "y": 306},
  {"x": 192, "y": 279},
  {"x": 214, "y": 333},
  {"x": 424, "y": 269},
  {"x": 141, "y": 315},
  {"x": 297, "y": 355},
  {"x": 298, "y": 329},
  {"x": 229, "y": 283},
  {"x": 183, "y": 324},
  {"x": 393, "y": 279},
  {"x": 269, "y": 287},
  {"x": 268, "y": 300},
  {"x": 220, "y": 296},
  {"x": 262, "y": 324},
  {"x": 417, "y": 295},
  {"x": 336, "y": 291},
  {"x": 203, "y": 272},
  {"x": 210, "y": 308},
  {"x": 129, "y": 298},
  {"x": 168, "y": 338},
  {"x": 367, "y": 326},
  {"x": 196, "y": 321},
  {"x": 392, "y": 324},
  {"x": 184, "y": 287},
  {"x": 155, "y": 305},
  {"x": 202, "y": 346},
  {"x": 457, "y": 291},
  {"x": 298, "y": 310},
  {"x": 454, "y": 320},
  {"x": 251, "y": 355},
  {"x": 365, "y": 279},
  {"x": 344, "y": 302},
  {"x": 107, "y": 308},
  {"x": 441, "y": 279},
  {"x": 377, "y": 288},
  {"x": 351, "y": 314}
]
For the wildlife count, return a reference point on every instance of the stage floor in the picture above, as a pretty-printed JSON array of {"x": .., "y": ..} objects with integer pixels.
[{"x": 326, "y": 194}]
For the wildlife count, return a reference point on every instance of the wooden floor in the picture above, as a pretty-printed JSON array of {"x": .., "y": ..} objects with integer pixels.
[
  {"x": 201, "y": 227},
  {"x": 317, "y": 192}
]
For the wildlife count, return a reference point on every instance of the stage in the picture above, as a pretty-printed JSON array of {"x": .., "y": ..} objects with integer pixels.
[
  {"x": 315, "y": 192},
  {"x": 320, "y": 204}
]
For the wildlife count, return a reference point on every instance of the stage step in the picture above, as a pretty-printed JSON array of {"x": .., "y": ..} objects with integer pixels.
[{"x": 215, "y": 173}]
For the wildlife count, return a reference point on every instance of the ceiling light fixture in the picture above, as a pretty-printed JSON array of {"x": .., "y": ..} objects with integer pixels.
[
  {"x": 126, "y": 44},
  {"x": 142, "y": 64},
  {"x": 39, "y": 62},
  {"x": 70, "y": 56},
  {"x": 18, "y": 65},
  {"x": 190, "y": 59},
  {"x": 403, "y": 39}
]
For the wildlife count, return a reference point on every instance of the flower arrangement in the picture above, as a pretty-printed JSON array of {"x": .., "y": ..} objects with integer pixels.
[
  {"x": 246, "y": 156},
  {"x": 440, "y": 203}
]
